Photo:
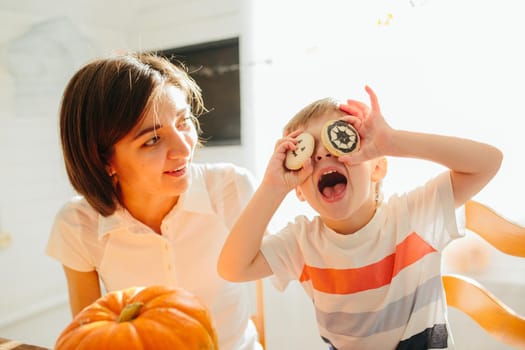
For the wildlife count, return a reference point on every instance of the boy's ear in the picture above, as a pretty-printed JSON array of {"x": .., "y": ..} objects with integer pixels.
[
  {"x": 299, "y": 194},
  {"x": 379, "y": 169}
]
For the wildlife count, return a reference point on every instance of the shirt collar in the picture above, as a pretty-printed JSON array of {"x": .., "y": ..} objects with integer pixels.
[
  {"x": 196, "y": 199},
  {"x": 120, "y": 219}
]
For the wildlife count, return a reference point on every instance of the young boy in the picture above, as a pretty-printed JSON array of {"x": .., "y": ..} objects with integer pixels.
[{"x": 371, "y": 268}]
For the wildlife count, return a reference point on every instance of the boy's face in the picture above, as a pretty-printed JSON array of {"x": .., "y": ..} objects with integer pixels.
[{"x": 337, "y": 191}]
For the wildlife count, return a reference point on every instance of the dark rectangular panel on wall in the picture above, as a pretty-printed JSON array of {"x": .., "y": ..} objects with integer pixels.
[{"x": 215, "y": 68}]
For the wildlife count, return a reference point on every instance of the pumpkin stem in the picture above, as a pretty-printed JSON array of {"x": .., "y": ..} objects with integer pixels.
[{"x": 129, "y": 312}]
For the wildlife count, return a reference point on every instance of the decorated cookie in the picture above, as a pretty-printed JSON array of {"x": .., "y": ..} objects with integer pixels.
[
  {"x": 339, "y": 137},
  {"x": 305, "y": 147}
]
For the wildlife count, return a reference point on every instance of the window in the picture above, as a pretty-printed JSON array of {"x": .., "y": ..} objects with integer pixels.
[{"x": 215, "y": 67}]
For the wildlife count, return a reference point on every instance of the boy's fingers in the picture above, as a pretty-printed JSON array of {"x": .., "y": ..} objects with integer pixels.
[
  {"x": 289, "y": 138},
  {"x": 354, "y": 108},
  {"x": 346, "y": 159},
  {"x": 282, "y": 145},
  {"x": 358, "y": 104},
  {"x": 293, "y": 133},
  {"x": 353, "y": 120},
  {"x": 346, "y": 108},
  {"x": 306, "y": 169},
  {"x": 373, "y": 99}
]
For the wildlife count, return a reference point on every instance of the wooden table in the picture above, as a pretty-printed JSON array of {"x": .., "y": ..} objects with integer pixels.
[{"x": 8, "y": 344}]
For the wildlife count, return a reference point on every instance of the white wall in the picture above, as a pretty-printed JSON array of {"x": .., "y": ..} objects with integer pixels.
[
  {"x": 41, "y": 45},
  {"x": 439, "y": 66}
]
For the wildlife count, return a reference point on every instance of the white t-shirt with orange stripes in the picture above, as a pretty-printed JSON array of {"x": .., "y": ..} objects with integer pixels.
[{"x": 381, "y": 287}]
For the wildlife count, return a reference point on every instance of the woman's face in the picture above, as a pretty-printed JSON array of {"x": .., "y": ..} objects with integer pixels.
[{"x": 152, "y": 160}]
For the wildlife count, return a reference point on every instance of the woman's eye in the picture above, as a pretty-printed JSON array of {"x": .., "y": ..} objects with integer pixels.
[
  {"x": 184, "y": 123},
  {"x": 152, "y": 141}
]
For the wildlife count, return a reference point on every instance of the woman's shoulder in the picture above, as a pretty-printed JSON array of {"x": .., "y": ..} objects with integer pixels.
[{"x": 77, "y": 208}]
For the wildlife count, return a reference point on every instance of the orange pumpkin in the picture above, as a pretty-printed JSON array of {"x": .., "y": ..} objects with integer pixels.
[{"x": 141, "y": 318}]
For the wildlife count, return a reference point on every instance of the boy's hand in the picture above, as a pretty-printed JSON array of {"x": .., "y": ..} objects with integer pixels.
[
  {"x": 355, "y": 108},
  {"x": 371, "y": 126},
  {"x": 277, "y": 177}
]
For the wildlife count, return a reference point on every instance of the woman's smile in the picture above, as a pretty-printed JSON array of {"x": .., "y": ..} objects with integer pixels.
[{"x": 180, "y": 171}]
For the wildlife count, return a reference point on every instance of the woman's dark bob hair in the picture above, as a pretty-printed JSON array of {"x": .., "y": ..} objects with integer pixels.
[{"x": 102, "y": 103}]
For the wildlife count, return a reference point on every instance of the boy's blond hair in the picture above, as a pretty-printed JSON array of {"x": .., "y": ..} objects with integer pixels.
[{"x": 312, "y": 111}]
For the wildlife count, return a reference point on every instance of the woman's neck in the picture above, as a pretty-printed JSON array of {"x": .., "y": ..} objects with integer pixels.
[{"x": 151, "y": 211}]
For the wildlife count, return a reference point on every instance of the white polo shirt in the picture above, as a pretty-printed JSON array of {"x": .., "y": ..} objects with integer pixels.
[{"x": 127, "y": 253}]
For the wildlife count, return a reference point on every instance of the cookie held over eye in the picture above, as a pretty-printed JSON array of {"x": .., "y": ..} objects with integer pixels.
[
  {"x": 305, "y": 147},
  {"x": 340, "y": 138}
]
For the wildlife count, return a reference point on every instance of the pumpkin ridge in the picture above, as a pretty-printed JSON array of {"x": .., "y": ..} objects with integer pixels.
[
  {"x": 92, "y": 337},
  {"x": 187, "y": 326},
  {"x": 154, "y": 327},
  {"x": 185, "y": 303}
]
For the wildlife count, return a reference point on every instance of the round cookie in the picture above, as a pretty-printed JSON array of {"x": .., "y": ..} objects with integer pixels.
[
  {"x": 339, "y": 137},
  {"x": 305, "y": 147}
]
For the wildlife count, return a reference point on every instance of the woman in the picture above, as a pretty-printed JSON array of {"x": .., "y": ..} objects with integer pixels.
[{"x": 146, "y": 214}]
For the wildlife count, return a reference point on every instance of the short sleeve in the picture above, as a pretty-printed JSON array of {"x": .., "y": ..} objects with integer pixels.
[
  {"x": 66, "y": 242},
  {"x": 283, "y": 253},
  {"x": 432, "y": 211},
  {"x": 245, "y": 183},
  {"x": 230, "y": 187}
]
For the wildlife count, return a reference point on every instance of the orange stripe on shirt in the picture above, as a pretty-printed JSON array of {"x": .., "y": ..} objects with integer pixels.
[{"x": 347, "y": 281}]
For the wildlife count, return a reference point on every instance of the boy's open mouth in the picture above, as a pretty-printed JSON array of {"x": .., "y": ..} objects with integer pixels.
[{"x": 332, "y": 184}]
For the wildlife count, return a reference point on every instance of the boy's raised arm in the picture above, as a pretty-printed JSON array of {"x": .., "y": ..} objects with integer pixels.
[
  {"x": 241, "y": 258},
  {"x": 472, "y": 164}
]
